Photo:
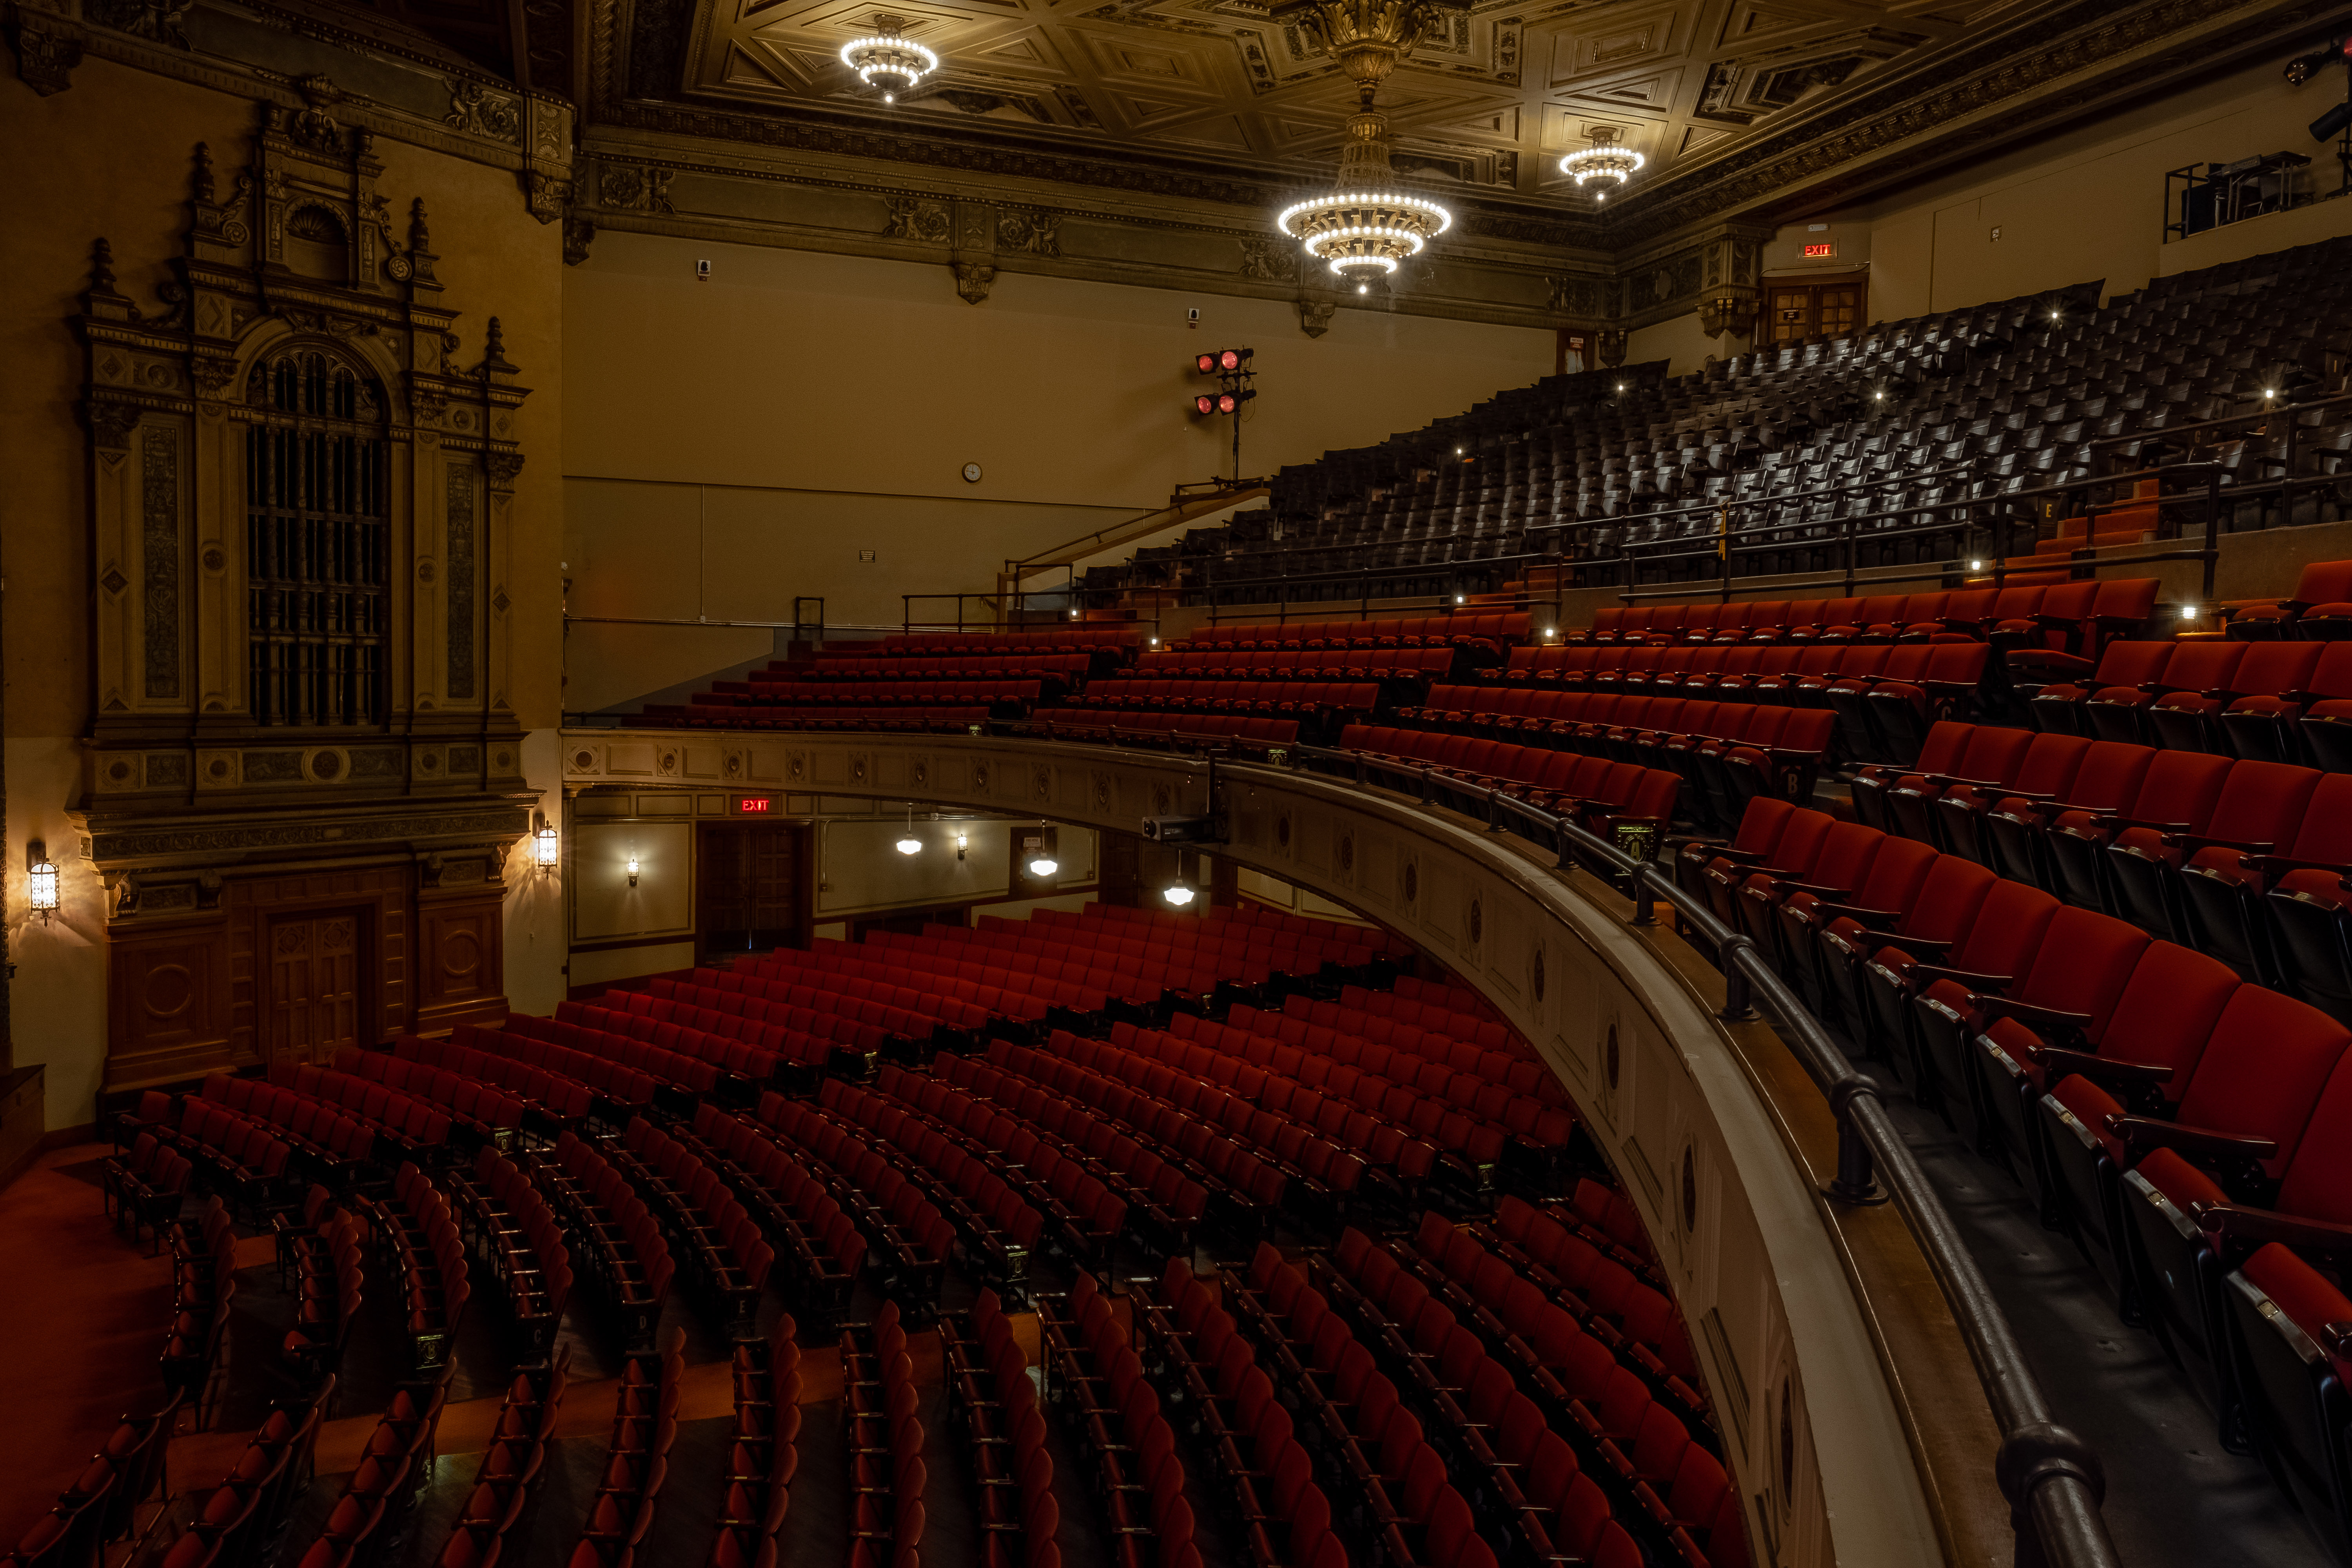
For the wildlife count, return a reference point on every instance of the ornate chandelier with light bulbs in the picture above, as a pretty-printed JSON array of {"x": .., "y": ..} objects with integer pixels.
[
  {"x": 889, "y": 59},
  {"x": 1604, "y": 165},
  {"x": 1366, "y": 225}
]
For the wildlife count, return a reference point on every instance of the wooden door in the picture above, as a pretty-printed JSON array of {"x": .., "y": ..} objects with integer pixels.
[
  {"x": 314, "y": 985},
  {"x": 1814, "y": 307},
  {"x": 748, "y": 892}
]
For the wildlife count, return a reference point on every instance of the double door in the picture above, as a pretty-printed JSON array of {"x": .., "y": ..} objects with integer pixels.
[{"x": 316, "y": 960}]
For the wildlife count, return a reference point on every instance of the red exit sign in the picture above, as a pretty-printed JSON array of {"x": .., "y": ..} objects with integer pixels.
[
  {"x": 754, "y": 803},
  {"x": 1823, "y": 247}
]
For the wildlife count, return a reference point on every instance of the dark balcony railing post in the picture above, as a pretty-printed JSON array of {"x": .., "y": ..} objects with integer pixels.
[{"x": 2212, "y": 528}]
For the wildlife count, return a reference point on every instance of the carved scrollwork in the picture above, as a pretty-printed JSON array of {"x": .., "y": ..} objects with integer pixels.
[
  {"x": 547, "y": 196},
  {"x": 577, "y": 233},
  {"x": 1029, "y": 233},
  {"x": 913, "y": 218},
  {"x": 476, "y": 109},
  {"x": 635, "y": 189},
  {"x": 111, "y": 422},
  {"x": 160, "y": 20},
  {"x": 974, "y": 280},
  {"x": 1269, "y": 261},
  {"x": 1315, "y": 316},
  {"x": 48, "y": 48},
  {"x": 312, "y": 126}
]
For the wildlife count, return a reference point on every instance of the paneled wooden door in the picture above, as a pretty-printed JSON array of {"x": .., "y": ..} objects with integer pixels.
[
  {"x": 1822, "y": 307},
  {"x": 748, "y": 887},
  {"x": 314, "y": 984}
]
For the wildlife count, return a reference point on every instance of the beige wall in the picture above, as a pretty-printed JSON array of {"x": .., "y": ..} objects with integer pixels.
[
  {"x": 111, "y": 156},
  {"x": 799, "y": 407}
]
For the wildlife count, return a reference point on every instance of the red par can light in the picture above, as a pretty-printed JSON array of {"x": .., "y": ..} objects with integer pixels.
[
  {"x": 1204, "y": 404},
  {"x": 1206, "y": 364},
  {"x": 1227, "y": 403}
]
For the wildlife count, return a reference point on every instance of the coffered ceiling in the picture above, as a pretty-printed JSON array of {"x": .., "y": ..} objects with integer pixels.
[{"x": 1489, "y": 102}]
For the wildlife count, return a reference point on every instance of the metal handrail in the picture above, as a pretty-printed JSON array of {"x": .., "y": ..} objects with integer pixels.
[{"x": 2051, "y": 1476}]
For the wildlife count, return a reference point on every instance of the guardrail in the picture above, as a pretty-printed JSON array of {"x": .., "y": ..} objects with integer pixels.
[{"x": 2052, "y": 1479}]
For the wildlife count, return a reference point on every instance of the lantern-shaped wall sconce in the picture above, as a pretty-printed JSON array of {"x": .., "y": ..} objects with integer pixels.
[
  {"x": 544, "y": 847},
  {"x": 40, "y": 881}
]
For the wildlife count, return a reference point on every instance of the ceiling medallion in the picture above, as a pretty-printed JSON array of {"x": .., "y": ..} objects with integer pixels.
[
  {"x": 1366, "y": 227},
  {"x": 889, "y": 59},
  {"x": 1605, "y": 165}
]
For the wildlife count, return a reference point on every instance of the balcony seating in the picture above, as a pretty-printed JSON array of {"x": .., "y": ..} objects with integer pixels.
[
  {"x": 2320, "y": 608},
  {"x": 1122, "y": 726},
  {"x": 2013, "y": 615},
  {"x": 1486, "y": 633},
  {"x": 1338, "y": 660},
  {"x": 927, "y": 714},
  {"x": 1596, "y": 794},
  {"x": 1100, "y": 638}
]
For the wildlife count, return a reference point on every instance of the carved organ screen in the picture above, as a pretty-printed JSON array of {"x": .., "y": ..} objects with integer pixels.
[{"x": 318, "y": 606}]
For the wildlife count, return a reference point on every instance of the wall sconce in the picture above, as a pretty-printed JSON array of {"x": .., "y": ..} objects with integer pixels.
[
  {"x": 40, "y": 881},
  {"x": 959, "y": 846},
  {"x": 633, "y": 870},
  {"x": 544, "y": 848}
]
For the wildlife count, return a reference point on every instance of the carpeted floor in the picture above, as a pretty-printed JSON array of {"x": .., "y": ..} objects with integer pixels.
[{"x": 83, "y": 1312}]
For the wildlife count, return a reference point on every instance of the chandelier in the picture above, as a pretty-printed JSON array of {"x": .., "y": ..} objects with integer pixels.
[
  {"x": 1365, "y": 227},
  {"x": 1608, "y": 161},
  {"x": 888, "y": 59}
]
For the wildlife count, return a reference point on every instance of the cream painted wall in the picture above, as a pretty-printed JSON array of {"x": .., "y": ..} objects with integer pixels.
[
  {"x": 536, "y": 944},
  {"x": 800, "y": 407},
  {"x": 57, "y": 1001}
]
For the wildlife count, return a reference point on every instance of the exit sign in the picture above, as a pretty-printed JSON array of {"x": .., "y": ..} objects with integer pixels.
[
  {"x": 754, "y": 803},
  {"x": 1821, "y": 247}
]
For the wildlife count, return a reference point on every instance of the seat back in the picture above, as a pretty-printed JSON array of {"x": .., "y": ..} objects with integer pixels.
[
  {"x": 2181, "y": 790},
  {"x": 2083, "y": 964},
  {"x": 2008, "y": 927},
  {"x": 2202, "y": 665},
  {"x": 2050, "y": 764},
  {"x": 2110, "y": 777},
  {"x": 2262, "y": 1070},
  {"x": 2275, "y": 668},
  {"x": 1992, "y": 755}
]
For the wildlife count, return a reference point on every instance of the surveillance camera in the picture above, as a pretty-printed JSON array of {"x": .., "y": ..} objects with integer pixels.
[
  {"x": 1184, "y": 829},
  {"x": 1193, "y": 317}
]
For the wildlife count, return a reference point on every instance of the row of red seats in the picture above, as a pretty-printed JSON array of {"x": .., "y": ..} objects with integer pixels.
[
  {"x": 254, "y": 1498},
  {"x": 1093, "y": 1372},
  {"x": 2031, "y": 615},
  {"x": 894, "y": 692},
  {"x": 1396, "y": 1482},
  {"x": 1000, "y": 1229},
  {"x": 975, "y": 984},
  {"x": 2270, "y": 701},
  {"x": 1193, "y": 963},
  {"x": 1516, "y": 1092},
  {"x": 1074, "y": 987},
  {"x": 1594, "y": 1216},
  {"x": 2320, "y": 608},
  {"x": 1263, "y": 923},
  {"x": 644, "y": 1425},
  {"x": 1307, "y": 700},
  {"x": 1646, "y": 1433},
  {"x": 839, "y": 994},
  {"x": 1597, "y": 794},
  {"x": 624, "y": 1250},
  {"x": 1093, "y": 637},
  {"x": 935, "y": 717},
  {"x": 2189, "y": 1129},
  {"x": 241, "y": 1155},
  {"x": 994, "y": 1406},
  {"x": 329, "y": 1135},
  {"x": 1089, "y": 1215},
  {"x": 724, "y": 1250},
  {"x": 1464, "y": 1041},
  {"x": 376, "y": 1496},
  {"x": 884, "y": 1438},
  {"x": 2245, "y": 860},
  {"x": 614, "y": 1065},
  {"x": 512, "y": 1464},
  {"x": 509, "y": 1222},
  {"x": 1238, "y": 1177},
  {"x": 97, "y": 1509},
  {"x": 417, "y": 1238},
  {"x": 1321, "y": 1158},
  {"x": 916, "y": 665},
  {"x": 1231, "y": 662},
  {"x": 1170, "y": 1203},
  {"x": 764, "y": 1454},
  {"x": 327, "y": 1288},
  {"x": 486, "y": 1112},
  {"x": 724, "y": 1052},
  {"x": 1168, "y": 729},
  {"x": 1071, "y": 962},
  {"x": 145, "y": 1186},
  {"x": 1728, "y": 751},
  {"x": 906, "y": 1236},
  {"x": 407, "y": 1122},
  {"x": 1636, "y": 727},
  {"x": 1268, "y": 1477},
  {"x": 506, "y": 1056},
  {"x": 1488, "y": 631},
  {"x": 1241, "y": 947},
  {"x": 1393, "y": 1125},
  {"x": 803, "y": 1024},
  {"x": 559, "y": 1098},
  {"x": 822, "y": 1248},
  {"x": 1633, "y": 1452}
]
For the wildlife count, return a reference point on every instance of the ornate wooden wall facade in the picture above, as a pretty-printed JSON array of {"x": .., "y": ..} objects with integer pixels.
[{"x": 304, "y": 771}]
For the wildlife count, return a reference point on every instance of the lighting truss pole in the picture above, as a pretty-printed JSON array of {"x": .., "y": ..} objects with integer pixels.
[{"x": 1231, "y": 367}]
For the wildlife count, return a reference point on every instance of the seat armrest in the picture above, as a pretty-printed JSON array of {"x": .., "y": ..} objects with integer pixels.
[
  {"x": 2279, "y": 865},
  {"x": 2142, "y": 1134},
  {"x": 1983, "y": 986},
  {"x": 1880, "y": 920},
  {"x": 2041, "y": 1019},
  {"x": 2204, "y": 841},
  {"x": 1819, "y": 890},
  {"x": 2251, "y": 1227},
  {"x": 2059, "y": 1061}
]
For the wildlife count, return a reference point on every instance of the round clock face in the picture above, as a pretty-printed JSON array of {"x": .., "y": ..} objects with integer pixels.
[{"x": 972, "y": 473}]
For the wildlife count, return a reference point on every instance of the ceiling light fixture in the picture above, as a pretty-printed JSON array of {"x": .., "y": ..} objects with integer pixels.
[
  {"x": 889, "y": 59},
  {"x": 1366, "y": 225},
  {"x": 909, "y": 844},
  {"x": 1043, "y": 865},
  {"x": 1604, "y": 165},
  {"x": 1177, "y": 893}
]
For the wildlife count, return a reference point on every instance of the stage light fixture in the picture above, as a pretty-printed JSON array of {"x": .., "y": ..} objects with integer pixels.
[
  {"x": 1205, "y": 364},
  {"x": 1206, "y": 403},
  {"x": 2330, "y": 125},
  {"x": 2302, "y": 68}
]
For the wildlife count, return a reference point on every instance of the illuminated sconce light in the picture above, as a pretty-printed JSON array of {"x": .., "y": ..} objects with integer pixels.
[
  {"x": 1460, "y": 599},
  {"x": 545, "y": 849},
  {"x": 633, "y": 870},
  {"x": 40, "y": 881},
  {"x": 959, "y": 846},
  {"x": 1975, "y": 566},
  {"x": 2187, "y": 612}
]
